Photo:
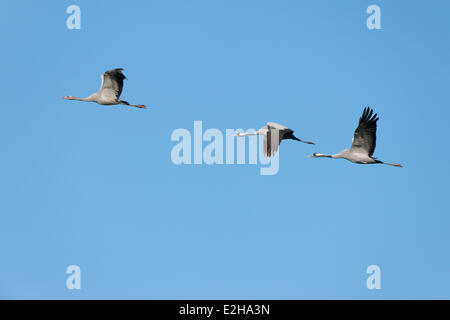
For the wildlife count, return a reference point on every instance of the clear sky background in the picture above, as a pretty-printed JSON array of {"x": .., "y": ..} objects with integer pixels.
[{"x": 95, "y": 186}]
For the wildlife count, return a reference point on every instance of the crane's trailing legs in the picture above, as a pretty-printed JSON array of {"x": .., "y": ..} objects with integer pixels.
[
  {"x": 133, "y": 105},
  {"x": 273, "y": 134},
  {"x": 285, "y": 137},
  {"x": 344, "y": 155},
  {"x": 363, "y": 144},
  {"x": 110, "y": 90},
  {"x": 390, "y": 164},
  {"x": 307, "y": 142}
]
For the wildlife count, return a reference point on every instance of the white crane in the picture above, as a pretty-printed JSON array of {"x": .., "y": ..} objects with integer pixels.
[
  {"x": 110, "y": 90},
  {"x": 363, "y": 144},
  {"x": 273, "y": 134}
]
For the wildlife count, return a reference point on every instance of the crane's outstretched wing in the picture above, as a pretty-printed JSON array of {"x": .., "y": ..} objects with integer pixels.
[
  {"x": 274, "y": 125},
  {"x": 112, "y": 84},
  {"x": 273, "y": 137},
  {"x": 365, "y": 137},
  {"x": 271, "y": 143}
]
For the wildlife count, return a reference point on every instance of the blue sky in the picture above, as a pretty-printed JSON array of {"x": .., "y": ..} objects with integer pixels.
[{"x": 95, "y": 186}]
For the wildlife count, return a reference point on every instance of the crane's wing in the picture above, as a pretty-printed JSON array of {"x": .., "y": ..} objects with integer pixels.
[
  {"x": 282, "y": 130},
  {"x": 112, "y": 84},
  {"x": 365, "y": 137},
  {"x": 275, "y": 133},
  {"x": 274, "y": 125},
  {"x": 272, "y": 139}
]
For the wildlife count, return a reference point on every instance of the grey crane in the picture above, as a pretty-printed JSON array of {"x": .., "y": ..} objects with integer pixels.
[
  {"x": 273, "y": 134},
  {"x": 110, "y": 90},
  {"x": 363, "y": 144}
]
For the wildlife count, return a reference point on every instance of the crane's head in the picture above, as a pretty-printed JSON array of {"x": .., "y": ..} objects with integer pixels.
[{"x": 68, "y": 97}]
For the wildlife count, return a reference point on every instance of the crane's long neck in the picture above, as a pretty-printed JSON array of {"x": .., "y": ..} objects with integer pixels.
[
  {"x": 321, "y": 155},
  {"x": 243, "y": 134},
  {"x": 90, "y": 98},
  {"x": 82, "y": 99}
]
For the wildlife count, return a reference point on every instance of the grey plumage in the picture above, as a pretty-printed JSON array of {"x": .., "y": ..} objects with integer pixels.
[
  {"x": 365, "y": 136},
  {"x": 273, "y": 134},
  {"x": 363, "y": 143},
  {"x": 110, "y": 90},
  {"x": 112, "y": 84}
]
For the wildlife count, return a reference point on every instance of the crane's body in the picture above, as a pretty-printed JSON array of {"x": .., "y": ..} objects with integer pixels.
[
  {"x": 110, "y": 90},
  {"x": 273, "y": 134},
  {"x": 360, "y": 158},
  {"x": 363, "y": 144}
]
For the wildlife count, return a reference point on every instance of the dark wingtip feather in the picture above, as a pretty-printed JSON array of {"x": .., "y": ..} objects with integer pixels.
[
  {"x": 375, "y": 118},
  {"x": 368, "y": 115},
  {"x": 364, "y": 113},
  {"x": 117, "y": 72}
]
